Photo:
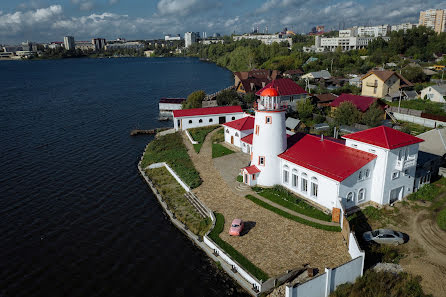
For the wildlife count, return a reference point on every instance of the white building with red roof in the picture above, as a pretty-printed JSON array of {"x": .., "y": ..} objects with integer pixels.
[
  {"x": 376, "y": 165},
  {"x": 200, "y": 117},
  {"x": 236, "y": 130}
]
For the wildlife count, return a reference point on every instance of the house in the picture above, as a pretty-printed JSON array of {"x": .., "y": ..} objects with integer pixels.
[
  {"x": 293, "y": 74},
  {"x": 362, "y": 103},
  {"x": 355, "y": 81},
  {"x": 431, "y": 156},
  {"x": 200, "y": 117},
  {"x": 293, "y": 125},
  {"x": 402, "y": 94},
  {"x": 289, "y": 91},
  {"x": 332, "y": 83},
  {"x": 310, "y": 60},
  {"x": 372, "y": 166},
  {"x": 436, "y": 93},
  {"x": 236, "y": 130},
  {"x": 168, "y": 105},
  {"x": 379, "y": 83},
  {"x": 317, "y": 75},
  {"x": 252, "y": 81},
  {"x": 323, "y": 100}
]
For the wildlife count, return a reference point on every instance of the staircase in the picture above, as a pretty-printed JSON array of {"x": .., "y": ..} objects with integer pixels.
[
  {"x": 242, "y": 187},
  {"x": 391, "y": 116},
  {"x": 197, "y": 204}
]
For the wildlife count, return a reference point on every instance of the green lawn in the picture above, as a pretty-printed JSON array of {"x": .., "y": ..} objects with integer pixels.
[
  {"x": 173, "y": 195},
  {"x": 199, "y": 135},
  {"x": 441, "y": 219},
  {"x": 426, "y": 106},
  {"x": 171, "y": 149},
  {"x": 248, "y": 265},
  {"x": 286, "y": 199},
  {"x": 219, "y": 150},
  {"x": 412, "y": 128},
  {"x": 291, "y": 217},
  {"x": 427, "y": 192},
  {"x": 218, "y": 136}
]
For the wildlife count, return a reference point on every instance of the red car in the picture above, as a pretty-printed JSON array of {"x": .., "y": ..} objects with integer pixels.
[{"x": 236, "y": 227}]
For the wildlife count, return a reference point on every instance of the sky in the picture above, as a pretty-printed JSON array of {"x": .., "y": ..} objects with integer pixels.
[{"x": 50, "y": 20}]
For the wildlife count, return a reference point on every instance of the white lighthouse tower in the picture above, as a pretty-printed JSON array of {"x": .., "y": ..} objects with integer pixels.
[{"x": 269, "y": 137}]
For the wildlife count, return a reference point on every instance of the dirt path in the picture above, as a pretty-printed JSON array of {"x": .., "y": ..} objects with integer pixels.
[{"x": 273, "y": 243}]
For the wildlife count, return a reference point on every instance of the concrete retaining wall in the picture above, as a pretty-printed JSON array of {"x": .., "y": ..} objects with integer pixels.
[
  {"x": 190, "y": 138},
  {"x": 418, "y": 120},
  {"x": 163, "y": 164}
]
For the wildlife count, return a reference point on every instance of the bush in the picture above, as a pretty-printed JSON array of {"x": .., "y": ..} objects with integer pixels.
[
  {"x": 171, "y": 149},
  {"x": 291, "y": 217},
  {"x": 441, "y": 219},
  {"x": 239, "y": 178},
  {"x": 235, "y": 255},
  {"x": 427, "y": 192}
]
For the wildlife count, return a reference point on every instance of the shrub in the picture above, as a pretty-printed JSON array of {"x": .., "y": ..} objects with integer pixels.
[
  {"x": 239, "y": 258},
  {"x": 427, "y": 192}
]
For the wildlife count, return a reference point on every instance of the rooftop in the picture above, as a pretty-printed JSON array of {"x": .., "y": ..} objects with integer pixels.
[
  {"x": 434, "y": 142},
  {"x": 384, "y": 137},
  {"x": 206, "y": 111},
  {"x": 361, "y": 102},
  {"x": 285, "y": 87},
  {"x": 327, "y": 157},
  {"x": 246, "y": 123},
  {"x": 251, "y": 169},
  {"x": 247, "y": 139},
  {"x": 384, "y": 75}
]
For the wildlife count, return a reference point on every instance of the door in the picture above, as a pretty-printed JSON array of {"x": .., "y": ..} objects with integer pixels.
[
  {"x": 179, "y": 124},
  {"x": 246, "y": 178},
  {"x": 222, "y": 120},
  {"x": 396, "y": 194},
  {"x": 232, "y": 139}
]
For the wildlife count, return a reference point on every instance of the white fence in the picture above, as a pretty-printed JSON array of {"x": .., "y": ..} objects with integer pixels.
[
  {"x": 163, "y": 164},
  {"x": 418, "y": 120}
]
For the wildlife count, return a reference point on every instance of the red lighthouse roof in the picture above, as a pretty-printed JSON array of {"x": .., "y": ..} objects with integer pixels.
[{"x": 269, "y": 92}]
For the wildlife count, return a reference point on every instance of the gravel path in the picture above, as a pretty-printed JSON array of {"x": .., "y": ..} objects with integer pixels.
[{"x": 273, "y": 243}]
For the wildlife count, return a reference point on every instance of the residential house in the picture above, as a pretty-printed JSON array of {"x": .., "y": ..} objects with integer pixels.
[
  {"x": 362, "y": 103},
  {"x": 200, "y": 117},
  {"x": 435, "y": 93},
  {"x": 293, "y": 125},
  {"x": 252, "y": 81},
  {"x": 323, "y": 100},
  {"x": 402, "y": 94},
  {"x": 317, "y": 75},
  {"x": 379, "y": 83},
  {"x": 355, "y": 81},
  {"x": 168, "y": 105},
  {"x": 289, "y": 91},
  {"x": 236, "y": 130},
  {"x": 293, "y": 74}
]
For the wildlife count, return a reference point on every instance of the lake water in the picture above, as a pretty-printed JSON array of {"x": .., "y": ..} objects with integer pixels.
[{"x": 76, "y": 219}]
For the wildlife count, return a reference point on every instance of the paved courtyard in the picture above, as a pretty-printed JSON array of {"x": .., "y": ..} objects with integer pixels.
[{"x": 273, "y": 243}]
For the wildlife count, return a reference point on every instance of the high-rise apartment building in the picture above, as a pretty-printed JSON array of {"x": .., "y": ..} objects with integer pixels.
[
  {"x": 99, "y": 43},
  {"x": 433, "y": 18},
  {"x": 189, "y": 38},
  {"x": 68, "y": 42}
]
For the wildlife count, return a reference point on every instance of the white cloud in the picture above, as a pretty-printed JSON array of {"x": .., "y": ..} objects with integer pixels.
[
  {"x": 111, "y": 2},
  {"x": 87, "y": 5},
  {"x": 176, "y": 6}
]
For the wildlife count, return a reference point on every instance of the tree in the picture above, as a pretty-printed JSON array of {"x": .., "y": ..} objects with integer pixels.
[
  {"x": 373, "y": 117},
  {"x": 194, "y": 100},
  {"x": 228, "y": 97},
  {"x": 304, "y": 109},
  {"x": 413, "y": 74},
  {"x": 346, "y": 114}
]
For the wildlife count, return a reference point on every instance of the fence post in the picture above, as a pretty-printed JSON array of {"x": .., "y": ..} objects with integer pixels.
[{"x": 327, "y": 282}]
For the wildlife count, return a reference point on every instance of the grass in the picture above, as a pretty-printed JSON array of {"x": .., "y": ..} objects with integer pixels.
[
  {"x": 291, "y": 217},
  {"x": 173, "y": 195},
  {"x": 427, "y": 192},
  {"x": 382, "y": 284},
  {"x": 171, "y": 149},
  {"x": 218, "y": 136},
  {"x": 238, "y": 257},
  {"x": 286, "y": 199},
  {"x": 441, "y": 219},
  {"x": 219, "y": 150},
  {"x": 414, "y": 129},
  {"x": 199, "y": 135},
  {"x": 426, "y": 106}
]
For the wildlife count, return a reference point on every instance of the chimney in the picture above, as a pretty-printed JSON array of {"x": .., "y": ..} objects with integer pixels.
[
  {"x": 263, "y": 84},
  {"x": 322, "y": 137},
  {"x": 252, "y": 86}
]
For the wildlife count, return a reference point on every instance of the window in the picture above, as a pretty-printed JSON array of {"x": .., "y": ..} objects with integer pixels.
[
  {"x": 262, "y": 161},
  {"x": 361, "y": 195},
  {"x": 233, "y": 118},
  {"x": 236, "y": 134},
  {"x": 400, "y": 154},
  {"x": 360, "y": 175},
  {"x": 304, "y": 186},
  {"x": 395, "y": 175},
  {"x": 211, "y": 120},
  {"x": 294, "y": 179},
  {"x": 406, "y": 172},
  {"x": 314, "y": 187},
  {"x": 268, "y": 120},
  {"x": 190, "y": 121},
  {"x": 350, "y": 197},
  {"x": 227, "y": 130},
  {"x": 200, "y": 121},
  {"x": 285, "y": 174},
  {"x": 367, "y": 173},
  {"x": 257, "y": 129},
  {"x": 254, "y": 176}
]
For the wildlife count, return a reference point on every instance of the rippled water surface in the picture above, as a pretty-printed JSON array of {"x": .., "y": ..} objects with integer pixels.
[{"x": 76, "y": 219}]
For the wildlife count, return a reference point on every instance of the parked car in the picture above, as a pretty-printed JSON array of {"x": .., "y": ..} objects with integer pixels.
[
  {"x": 384, "y": 236},
  {"x": 236, "y": 227}
]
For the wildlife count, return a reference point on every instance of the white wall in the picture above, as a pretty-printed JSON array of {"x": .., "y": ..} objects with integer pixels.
[
  {"x": 432, "y": 95},
  {"x": 353, "y": 184},
  {"x": 246, "y": 147},
  {"x": 327, "y": 188},
  {"x": 418, "y": 120},
  {"x": 206, "y": 120},
  {"x": 238, "y": 135}
]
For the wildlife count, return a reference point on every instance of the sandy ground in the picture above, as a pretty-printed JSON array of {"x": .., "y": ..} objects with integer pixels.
[{"x": 272, "y": 242}]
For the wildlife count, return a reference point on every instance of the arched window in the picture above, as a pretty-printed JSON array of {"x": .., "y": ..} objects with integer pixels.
[
  {"x": 200, "y": 121},
  {"x": 190, "y": 121},
  {"x": 314, "y": 187},
  {"x": 361, "y": 195},
  {"x": 367, "y": 173},
  {"x": 236, "y": 134},
  {"x": 286, "y": 173},
  {"x": 227, "y": 130},
  {"x": 360, "y": 175},
  {"x": 233, "y": 118},
  {"x": 211, "y": 120},
  {"x": 304, "y": 183},
  {"x": 294, "y": 178},
  {"x": 350, "y": 197}
]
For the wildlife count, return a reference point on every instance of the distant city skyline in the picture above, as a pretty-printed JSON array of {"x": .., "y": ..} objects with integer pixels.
[{"x": 51, "y": 20}]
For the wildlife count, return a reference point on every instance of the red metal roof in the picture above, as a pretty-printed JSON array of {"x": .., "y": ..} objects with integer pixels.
[
  {"x": 285, "y": 87},
  {"x": 329, "y": 158},
  {"x": 206, "y": 111},
  {"x": 252, "y": 169},
  {"x": 361, "y": 102},
  {"x": 385, "y": 137},
  {"x": 247, "y": 139},
  {"x": 246, "y": 123}
]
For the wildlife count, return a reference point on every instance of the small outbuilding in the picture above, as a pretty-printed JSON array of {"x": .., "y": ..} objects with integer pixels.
[{"x": 200, "y": 117}]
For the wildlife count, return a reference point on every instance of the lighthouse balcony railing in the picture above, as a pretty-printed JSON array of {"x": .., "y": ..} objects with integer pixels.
[{"x": 272, "y": 107}]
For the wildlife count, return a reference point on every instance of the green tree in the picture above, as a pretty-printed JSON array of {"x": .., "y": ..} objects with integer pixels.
[
  {"x": 373, "y": 117},
  {"x": 346, "y": 114},
  {"x": 194, "y": 100},
  {"x": 304, "y": 109},
  {"x": 413, "y": 74},
  {"x": 228, "y": 97}
]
